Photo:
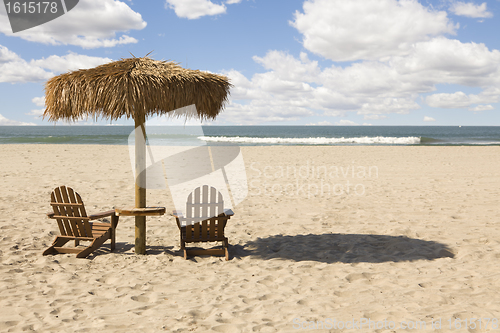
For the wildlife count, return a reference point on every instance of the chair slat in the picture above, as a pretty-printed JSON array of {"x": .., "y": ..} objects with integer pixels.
[
  {"x": 220, "y": 204},
  {"x": 196, "y": 230},
  {"x": 189, "y": 206},
  {"x": 56, "y": 210},
  {"x": 212, "y": 201},
  {"x": 194, "y": 220},
  {"x": 197, "y": 201},
  {"x": 204, "y": 229},
  {"x": 82, "y": 208},
  {"x": 204, "y": 200},
  {"x": 213, "y": 210},
  {"x": 82, "y": 225},
  {"x": 70, "y": 218},
  {"x": 59, "y": 192},
  {"x": 212, "y": 232},
  {"x": 75, "y": 212},
  {"x": 65, "y": 204},
  {"x": 71, "y": 212},
  {"x": 206, "y": 204},
  {"x": 64, "y": 198}
]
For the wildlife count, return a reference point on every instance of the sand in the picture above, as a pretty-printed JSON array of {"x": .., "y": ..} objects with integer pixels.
[{"x": 410, "y": 238}]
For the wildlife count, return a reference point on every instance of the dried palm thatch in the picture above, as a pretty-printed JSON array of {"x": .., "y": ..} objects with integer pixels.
[{"x": 134, "y": 88}]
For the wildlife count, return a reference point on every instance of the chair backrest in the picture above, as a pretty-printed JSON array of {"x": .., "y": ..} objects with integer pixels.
[
  {"x": 205, "y": 212},
  {"x": 203, "y": 203},
  {"x": 69, "y": 211}
]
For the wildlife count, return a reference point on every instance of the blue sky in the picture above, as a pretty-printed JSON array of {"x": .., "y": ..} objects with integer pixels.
[{"x": 322, "y": 62}]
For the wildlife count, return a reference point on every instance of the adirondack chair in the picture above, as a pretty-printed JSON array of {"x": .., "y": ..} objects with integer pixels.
[
  {"x": 204, "y": 221},
  {"x": 74, "y": 224}
]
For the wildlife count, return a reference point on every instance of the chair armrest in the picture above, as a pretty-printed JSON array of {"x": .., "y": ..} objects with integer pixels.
[
  {"x": 228, "y": 212},
  {"x": 50, "y": 215},
  {"x": 101, "y": 215}
]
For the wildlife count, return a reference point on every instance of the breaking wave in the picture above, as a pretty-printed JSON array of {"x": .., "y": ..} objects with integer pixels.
[{"x": 412, "y": 140}]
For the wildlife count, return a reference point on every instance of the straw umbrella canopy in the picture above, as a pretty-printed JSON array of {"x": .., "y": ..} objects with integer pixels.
[{"x": 134, "y": 88}]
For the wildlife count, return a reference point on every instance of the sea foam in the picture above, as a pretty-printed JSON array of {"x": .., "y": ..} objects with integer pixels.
[{"x": 412, "y": 140}]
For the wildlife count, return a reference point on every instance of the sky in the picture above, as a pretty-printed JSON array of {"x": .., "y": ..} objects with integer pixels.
[{"x": 291, "y": 62}]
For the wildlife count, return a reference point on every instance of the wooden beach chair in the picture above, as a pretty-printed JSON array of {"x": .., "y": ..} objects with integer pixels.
[
  {"x": 74, "y": 224},
  {"x": 205, "y": 221}
]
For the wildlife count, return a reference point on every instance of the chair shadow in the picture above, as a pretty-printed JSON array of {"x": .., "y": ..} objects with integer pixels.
[
  {"x": 128, "y": 248},
  {"x": 345, "y": 248},
  {"x": 170, "y": 250}
]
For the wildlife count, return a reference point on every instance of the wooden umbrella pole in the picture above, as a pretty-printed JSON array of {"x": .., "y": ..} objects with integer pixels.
[{"x": 140, "y": 182}]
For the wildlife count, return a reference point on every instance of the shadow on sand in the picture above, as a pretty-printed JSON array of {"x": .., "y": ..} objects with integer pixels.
[
  {"x": 128, "y": 249},
  {"x": 345, "y": 248},
  {"x": 327, "y": 248}
]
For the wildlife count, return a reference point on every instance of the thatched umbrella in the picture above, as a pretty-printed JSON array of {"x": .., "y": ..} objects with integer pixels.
[{"x": 135, "y": 88}]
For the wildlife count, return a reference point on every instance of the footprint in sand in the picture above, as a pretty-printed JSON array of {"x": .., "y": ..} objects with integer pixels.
[{"x": 141, "y": 298}]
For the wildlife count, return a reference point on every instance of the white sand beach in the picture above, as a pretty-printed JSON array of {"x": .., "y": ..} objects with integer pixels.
[{"x": 402, "y": 234}]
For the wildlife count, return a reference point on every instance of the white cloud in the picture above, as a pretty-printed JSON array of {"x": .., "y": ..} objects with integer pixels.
[
  {"x": 369, "y": 88},
  {"x": 482, "y": 108},
  {"x": 449, "y": 101},
  {"x": 15, "y": 69},
  {"x": 358, "y": 29},
  {"x": 426, "y": 118},
  {"x": 374, "y": 116},
  {"x": 395, "y": 104},
  {"x": 460, "y": 100},
  {"x": 39, "y": 101},
  {"x": 193, "y": 9},
  {"x": 91, "y": 24},
  {"x": 469, "y": 9},
  {"x": 36, "y": 113},
  {"x": 22, "y": 72},
  {"x": 397, "y": 65},
  {"x": 281, "y": 63},
  {"x": 260, "y": 111},
  {"x": 7, "y": 55},
  {"x": 450, "y": 61},
  {"x": 320, "y": 123},
  {"x": 7, "y": 122},
  {"x": 69, "y": 62}
]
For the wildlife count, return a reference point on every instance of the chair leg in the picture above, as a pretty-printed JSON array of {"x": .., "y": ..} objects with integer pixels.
[
  {"x": 96, "y": 243},
  {"x": 114, "y": 224},
  {"x": 226, "y": 248},
  {"x": 183, "y": 247}
]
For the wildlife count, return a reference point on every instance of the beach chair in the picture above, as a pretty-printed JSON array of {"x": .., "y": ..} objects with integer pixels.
[
  {"x": 204, "y": 221},
  {"x": 74, "y": 224}
]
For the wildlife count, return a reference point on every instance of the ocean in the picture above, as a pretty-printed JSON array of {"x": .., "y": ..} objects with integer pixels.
[{"x": 256, "y": 135}]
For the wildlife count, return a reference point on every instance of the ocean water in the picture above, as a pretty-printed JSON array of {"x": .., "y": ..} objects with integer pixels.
[{"x": 256, "y": 135}]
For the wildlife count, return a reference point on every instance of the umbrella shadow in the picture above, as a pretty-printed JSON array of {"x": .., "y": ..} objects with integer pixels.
[{"x": 345, "y": 248}]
